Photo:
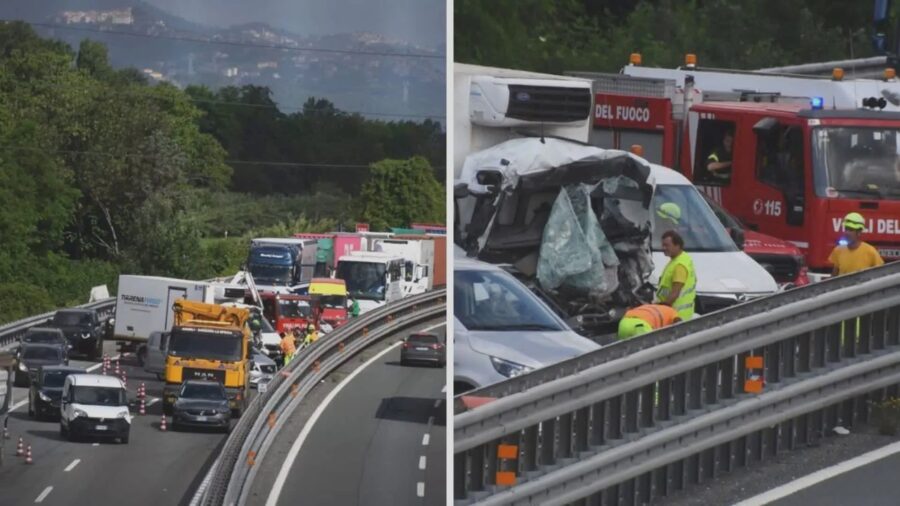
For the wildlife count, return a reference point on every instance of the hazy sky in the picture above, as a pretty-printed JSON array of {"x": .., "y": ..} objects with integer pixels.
[{"x": 419, "y": 21}]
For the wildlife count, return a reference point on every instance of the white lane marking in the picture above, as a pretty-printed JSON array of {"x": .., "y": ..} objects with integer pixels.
[
  {"x": 444, "y": 388},
  {"x": 44, "y": 494},
  {"x": 437, "y": 403},
  {"x": 420, "y": 489},
  {"x": 18, "y": 404},
  {"x": 430, "y": 420},
  {"x": 152, "y": 401},
  {"x": 425, "y": 439},
  {"x": 820, "y": 476},
  {"x": 72, "y": 465},
  {"x": 96, "y": 444},
  {"x": 421, "y": 462},
  {"x": 275, "y": 491}
]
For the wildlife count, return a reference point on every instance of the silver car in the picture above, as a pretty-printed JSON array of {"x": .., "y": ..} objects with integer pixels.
[{"x": 502, "y": 329}]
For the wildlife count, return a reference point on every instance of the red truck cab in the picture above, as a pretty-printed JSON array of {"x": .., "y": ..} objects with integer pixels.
[
  {"x": 331, "y": 296},
  {"x": 287, "y": 311}
]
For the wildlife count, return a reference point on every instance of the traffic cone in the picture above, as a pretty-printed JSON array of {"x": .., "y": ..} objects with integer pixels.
[
  {"x": 162, "y": 423},
  {"x": 118, "y": 370},
  {"x": 28, "y": 459},
  {"x": 20, "y": 448},
  {"x": 5, "y": 433},
  {"x": 143, "y": 393},
  {"x": 143, "y": 410},
  {"x": 124, "y": 378}
]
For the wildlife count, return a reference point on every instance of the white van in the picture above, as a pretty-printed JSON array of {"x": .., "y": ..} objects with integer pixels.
[
  {"x": 94, "y": 405},
  {"x": 725, "y": 274}
]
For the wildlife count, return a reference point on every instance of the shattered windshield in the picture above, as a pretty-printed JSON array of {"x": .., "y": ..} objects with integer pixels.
[
  {"x": 490, "y": 300},
  {"x": 681, "y": 208},
  {"x": 856, "y": 162}
]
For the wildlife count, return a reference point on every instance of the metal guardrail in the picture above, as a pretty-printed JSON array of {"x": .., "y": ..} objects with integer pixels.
[
  {"x": 10, "y": 333},
  {"x": 228, "y": 479},
  {"x": 649, "y": 419}
]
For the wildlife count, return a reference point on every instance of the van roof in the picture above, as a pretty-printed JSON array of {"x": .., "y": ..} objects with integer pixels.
[
  {"x": 95, "y": 380},
  {"x": 664, "y": 175}
]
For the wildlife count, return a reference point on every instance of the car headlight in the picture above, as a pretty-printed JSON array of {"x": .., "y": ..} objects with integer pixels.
[
  {"x": 44, "y": 397},
  {"x": 78, "y": 412},
  {"x": 85, "y": 335},
  {"x": 122, "y": 414},
  {"x": 507, "y": 368},
  {"x": 23, "y": 367}
]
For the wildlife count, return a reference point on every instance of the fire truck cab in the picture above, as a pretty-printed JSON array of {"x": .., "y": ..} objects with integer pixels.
[{"x": 803, "y": 152}]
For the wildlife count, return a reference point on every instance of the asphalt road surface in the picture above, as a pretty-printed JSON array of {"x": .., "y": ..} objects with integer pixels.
[
  {"x": 873, "y": 484},
  {"x": 155, "y": 468},
  {"x": 380, "y": 441}
]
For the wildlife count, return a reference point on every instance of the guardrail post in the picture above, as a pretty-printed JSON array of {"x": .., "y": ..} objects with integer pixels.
[
  {"x": 631, "y": 415},
  {"x": 803, "y": 352},
  {"x": 460, "y": 475},
  {"x": 833, "y": 342},
  {"x": 648, "y": 396},
  {"x": 865, "y": 334},
  {"x": 598, "y": 423},
  {"x": 664, "y": 404},
  {"x": 712, "y": 383},
  {"x": 695, "y": 387},
  {"x": 679, "y": 389},
  {"x": 879, "y": 325},
  {"x": 893, "y": 326},
  {"x": 644, "y": 489},
  {"x": 476, "y": 468},
  {"x": 548, "y": 442},
  {"x": 615, "y": 418},
  {"x": 530, "y": 448},
  {"x": 581, "y": 429}
]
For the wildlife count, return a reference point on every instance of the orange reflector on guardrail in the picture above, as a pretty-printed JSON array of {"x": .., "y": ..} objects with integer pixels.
[
  {"x": 294, "y": 390},
  {"x": 754, "y": 382},
  {"x": 251, "y": 458},
  {"x": 507, "y": 452},
  {"x": 507, "y": 478},
  {"x": 272, "y": 420}
]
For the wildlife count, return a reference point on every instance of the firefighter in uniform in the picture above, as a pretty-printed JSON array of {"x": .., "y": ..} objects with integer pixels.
[
  {"x": 718, "y": 163},
  {"x": 855, "y": 255},
  {"x": 678, "y": 283}
]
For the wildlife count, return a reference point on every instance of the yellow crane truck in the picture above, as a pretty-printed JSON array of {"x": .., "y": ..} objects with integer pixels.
[{"x": 209, "y": 342}]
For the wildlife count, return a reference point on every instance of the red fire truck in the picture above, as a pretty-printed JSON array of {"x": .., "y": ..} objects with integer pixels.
[{"x": 803, "y": 155}]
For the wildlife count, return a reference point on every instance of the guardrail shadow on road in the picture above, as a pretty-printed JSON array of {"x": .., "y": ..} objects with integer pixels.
[{"x": 407, "y": 409}]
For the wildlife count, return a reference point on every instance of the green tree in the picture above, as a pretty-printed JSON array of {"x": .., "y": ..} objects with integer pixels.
[{"x": 400, "y": 192}]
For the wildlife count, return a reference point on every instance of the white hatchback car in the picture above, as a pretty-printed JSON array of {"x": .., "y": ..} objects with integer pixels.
[
  {"x": 502, "y": 329},
  {"x": 94, "y": 405}
]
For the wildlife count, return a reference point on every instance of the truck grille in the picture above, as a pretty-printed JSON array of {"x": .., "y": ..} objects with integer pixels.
[
  {"x": 705, "y": 305},
  {"x": 783, "y": 268},
  {"x": 190, "y": 373},
  {"x": 550, "y": 104}
]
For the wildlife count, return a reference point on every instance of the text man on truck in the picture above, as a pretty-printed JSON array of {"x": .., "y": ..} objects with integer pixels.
[{"x": 209, "y": 342}]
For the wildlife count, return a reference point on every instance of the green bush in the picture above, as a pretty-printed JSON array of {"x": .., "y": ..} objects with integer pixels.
[{"x": 20, "y": 300}]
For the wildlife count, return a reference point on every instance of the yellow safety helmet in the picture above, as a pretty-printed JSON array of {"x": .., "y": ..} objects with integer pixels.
[
  {"x": 854, "y": 221},
  {"x": 669, "y": 211},
  {"x": 630, "y": 327}
]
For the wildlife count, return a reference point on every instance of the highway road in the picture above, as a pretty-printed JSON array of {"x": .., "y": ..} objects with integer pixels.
[
  {"x": 154, "y": 468},
  {"x": 380, "y": 441}
]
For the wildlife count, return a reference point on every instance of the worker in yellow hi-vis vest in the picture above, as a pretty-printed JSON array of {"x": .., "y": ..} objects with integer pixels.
[
  {"x": 678, "y": 283},
  {"x": 853, "y": 255}
]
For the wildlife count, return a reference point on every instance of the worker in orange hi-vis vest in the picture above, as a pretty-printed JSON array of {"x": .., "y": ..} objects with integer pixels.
[{"x": 646, "y": 318}]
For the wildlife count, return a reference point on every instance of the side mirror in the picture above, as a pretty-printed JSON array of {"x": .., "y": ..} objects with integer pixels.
[{"x": 737, "y": 235}]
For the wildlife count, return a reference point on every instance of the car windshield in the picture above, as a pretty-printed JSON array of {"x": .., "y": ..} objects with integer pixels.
[
  {"x": 494, "y": 300},
  {"x": 55, "y": 379},
  {"x": 99, "y": 396},
  {"x": 267, "y": 274},
  {"x": 697, "y": 224},
  {"x": 288, "y": 308},
  {"x": 70, "y": 318},
  {"x": 856, "y": 162},
  {"x": 212, "y": 345},
  {"x": 42, "y": 337},
  {"x": 365, "y": 280},
  {"x": 423, "y": 339},
  {"x": 202, "y": 391},
  {"x": 41, "y": 353}
]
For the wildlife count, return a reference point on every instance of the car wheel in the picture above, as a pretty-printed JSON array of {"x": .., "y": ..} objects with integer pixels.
[
  {"x": 167, "y": 410},
  {"x": 18, "y": 381},
  {"x": 160, "y": 376},
  {"x": 63, "y": 433},
  {"x": 403, "y": 361},
  {"x": 30, "y": 407},
  {"x": 94, "y": 354},
  {"x": 142, "y": 356},
  {"x": 124, "y": 438}
]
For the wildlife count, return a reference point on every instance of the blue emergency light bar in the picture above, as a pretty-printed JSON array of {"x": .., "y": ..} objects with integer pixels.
[{"x": 817, "y": 102}]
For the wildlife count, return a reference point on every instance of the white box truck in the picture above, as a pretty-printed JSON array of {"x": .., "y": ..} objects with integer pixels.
[{"x": 144, "y": 305}]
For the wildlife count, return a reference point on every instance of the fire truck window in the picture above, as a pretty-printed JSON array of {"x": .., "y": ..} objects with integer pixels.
[
  {"x": 779, "y": 158},
  {"x": 715, "y": 141}
]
